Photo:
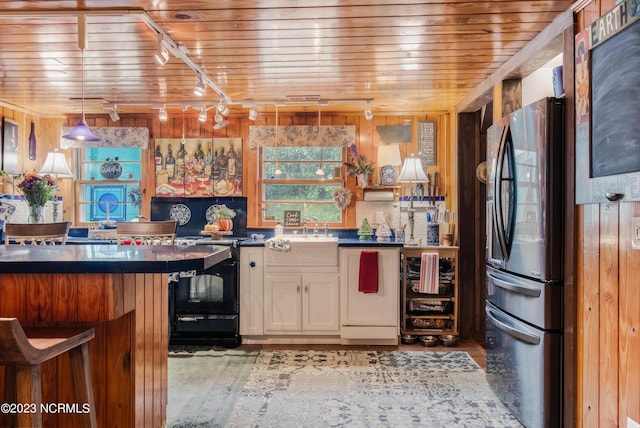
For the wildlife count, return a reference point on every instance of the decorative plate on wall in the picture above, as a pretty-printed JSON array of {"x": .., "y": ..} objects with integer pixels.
[{"x": 180, "y": 213}]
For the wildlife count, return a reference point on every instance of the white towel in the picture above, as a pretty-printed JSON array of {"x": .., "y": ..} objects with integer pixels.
[{"x": 429, "y": 273}]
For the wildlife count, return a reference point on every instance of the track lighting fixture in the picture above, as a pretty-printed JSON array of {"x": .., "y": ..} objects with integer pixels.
[
  {"x": 163, "y": 114},
  {"x": 113, "y": 114},
  {"x": 222, "y": 108},
  {"x": 253, "y": 114},
  {"x": 203, "y": 115},
  {"x": 162, "y": 54},
  {"x": 200, "y": 88}
]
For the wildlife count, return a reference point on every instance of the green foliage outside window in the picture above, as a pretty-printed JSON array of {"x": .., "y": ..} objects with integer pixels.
[{"x": 298, "y": 188}]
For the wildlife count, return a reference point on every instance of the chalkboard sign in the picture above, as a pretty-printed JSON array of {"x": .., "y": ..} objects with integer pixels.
[
  {"x": 615, "y": 73},
  {"x": 292, "y": 218},
  {"x": 427, "y": 142}
]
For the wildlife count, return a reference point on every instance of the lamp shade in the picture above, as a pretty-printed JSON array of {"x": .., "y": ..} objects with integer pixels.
[
  {"x": 56, "y": 165},
  {"x": 389, "y": 154},
  {"x": 81, "y": 133},
  {"x": 412, "y": 171}
]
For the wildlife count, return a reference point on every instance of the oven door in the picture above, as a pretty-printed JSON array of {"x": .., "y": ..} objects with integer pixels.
[{"x": 213, "y": 291}]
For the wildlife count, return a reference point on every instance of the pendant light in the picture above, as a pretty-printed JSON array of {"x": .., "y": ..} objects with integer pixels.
[
  {"x": 319, "y": 171},
  {"x": 277, "y": 171},
  {"x": 82, "y": 132}
]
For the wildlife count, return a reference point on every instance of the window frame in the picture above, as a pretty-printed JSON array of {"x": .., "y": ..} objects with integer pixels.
[{"x": 337, "y": 181}]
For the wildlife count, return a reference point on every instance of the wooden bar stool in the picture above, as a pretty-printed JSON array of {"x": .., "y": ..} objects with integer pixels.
[
  {"x": 22, "y": 357},
  {"x": 146, "y": 232},
  {"x": 37, "y": 234}
]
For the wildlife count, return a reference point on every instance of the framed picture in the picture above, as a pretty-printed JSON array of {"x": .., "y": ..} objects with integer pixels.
[
  {"x": 10, "y": 158},
  {"x": 110, "y": 203}
]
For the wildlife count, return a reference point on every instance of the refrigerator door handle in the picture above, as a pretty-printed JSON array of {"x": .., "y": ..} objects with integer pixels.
[
  {"x": 497, "y": 194},
  {"x": 510, "y": 329},
  {"x": 520, "y": 289}
]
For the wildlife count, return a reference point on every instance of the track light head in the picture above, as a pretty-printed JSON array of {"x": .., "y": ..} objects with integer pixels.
[
  {"x": 113, "y": 114},
  {"x": 368, "y": 114},
  {"x": 163, "y": 114},
  {"x": 253, "y": 114},
  {"x": 162, "y": 55},
  {"x": 202, "y": 117},
  {"x": 222, "y": 108},
  {"x": 200, "y": 88}
]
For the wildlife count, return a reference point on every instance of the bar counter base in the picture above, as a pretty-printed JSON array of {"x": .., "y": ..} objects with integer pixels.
[{"x": 128, "y": 355}]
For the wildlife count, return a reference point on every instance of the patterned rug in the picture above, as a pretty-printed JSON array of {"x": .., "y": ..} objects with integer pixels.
[
  {"x": 348, "y": 388},
  {"x": 205, "y": 383}
]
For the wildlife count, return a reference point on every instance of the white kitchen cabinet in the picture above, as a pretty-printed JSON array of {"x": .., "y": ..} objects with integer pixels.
[
  {"x": 301, "y": 303},
  {"x": 371, "y": 317},
  {"x": 251, "y": 291}
]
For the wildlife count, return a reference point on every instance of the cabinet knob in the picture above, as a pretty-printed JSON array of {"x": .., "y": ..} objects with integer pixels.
[{"x": 252, "y": 264}]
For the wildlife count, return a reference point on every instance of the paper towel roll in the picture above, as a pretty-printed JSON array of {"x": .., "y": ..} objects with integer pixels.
[{"x": 378, "y": 196}]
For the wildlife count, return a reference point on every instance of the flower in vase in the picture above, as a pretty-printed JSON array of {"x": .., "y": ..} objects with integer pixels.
[
  {"x": 358, "y": 164},
  {"x": 36, "y": 189}
]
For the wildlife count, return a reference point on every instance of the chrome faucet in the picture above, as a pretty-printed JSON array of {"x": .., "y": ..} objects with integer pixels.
[
  {"x": 326, "y": 230},
  {"x": 315, "y": 226},
  {"x": 304, "y": 227}
]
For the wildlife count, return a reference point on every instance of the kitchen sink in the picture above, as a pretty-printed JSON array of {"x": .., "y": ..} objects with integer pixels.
[{"x": 302, "y": 251}]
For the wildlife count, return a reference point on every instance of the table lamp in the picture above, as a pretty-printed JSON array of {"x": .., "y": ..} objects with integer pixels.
[
  {"x": 388, "y": 159},
  {"x": 412, "y": 173},
  {"x": 56, "y": 166}
]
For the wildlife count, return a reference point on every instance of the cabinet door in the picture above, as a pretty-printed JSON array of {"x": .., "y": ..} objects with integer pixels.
[
  {"x": 251, "y": 290},
  {"x": 282, "y": 302},
  {"x": 371, "y": 309},
  {"x": 320, "y": 302}
]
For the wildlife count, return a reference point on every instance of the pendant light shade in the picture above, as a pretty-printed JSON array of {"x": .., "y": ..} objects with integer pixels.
[{"x": 82, "y": 132}]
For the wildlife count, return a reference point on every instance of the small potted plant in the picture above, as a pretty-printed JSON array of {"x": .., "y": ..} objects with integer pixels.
[
  {"x": 359, "y": 166},
  {"x": 224, "y": 216}
]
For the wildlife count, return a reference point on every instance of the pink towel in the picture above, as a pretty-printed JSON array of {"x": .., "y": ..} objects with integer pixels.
[
  {"x": 368, "y": 279},
  {"x": 429, "y": 273}
]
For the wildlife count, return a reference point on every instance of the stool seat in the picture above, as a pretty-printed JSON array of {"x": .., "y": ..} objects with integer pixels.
[{"x": 22, "y": 351}]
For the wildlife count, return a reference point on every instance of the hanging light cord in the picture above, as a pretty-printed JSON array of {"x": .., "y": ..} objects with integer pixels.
[{"x": 82, "y": 100}]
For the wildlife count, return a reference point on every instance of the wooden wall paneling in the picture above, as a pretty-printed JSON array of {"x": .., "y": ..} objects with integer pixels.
[
  {"x": 569, "y": 288},
  {"x": 629, "y": 346},
  {"x": 609, "y": 313},
  {"x": 589, "y": 345},
  {"x": 472, "y": 246}
]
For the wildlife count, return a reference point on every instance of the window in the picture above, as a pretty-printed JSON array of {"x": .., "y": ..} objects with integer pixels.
[
  {"x": 109, "y": 185},
  {"x": 298, "y": 188}
]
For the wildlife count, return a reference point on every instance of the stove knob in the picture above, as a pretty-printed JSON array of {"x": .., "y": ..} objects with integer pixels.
[{"x": 252, "y": 264}]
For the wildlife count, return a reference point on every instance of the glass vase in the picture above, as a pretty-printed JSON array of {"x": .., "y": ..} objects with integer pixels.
[{"x": 36, "y": 214}]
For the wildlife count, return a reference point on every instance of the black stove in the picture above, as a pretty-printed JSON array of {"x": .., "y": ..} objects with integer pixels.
[{"x": 204, "y": 306}]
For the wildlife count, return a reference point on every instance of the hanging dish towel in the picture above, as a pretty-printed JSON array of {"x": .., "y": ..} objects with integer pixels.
[
  {"x": 429, "y": 273},
  {"x": 368, "y": 279}
]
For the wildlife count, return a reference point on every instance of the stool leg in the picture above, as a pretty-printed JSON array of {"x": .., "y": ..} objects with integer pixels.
[
  {"x": 10, "y": 394},
  {"x": 82, "y": 384},
  {"x": 30, "y": 392}
]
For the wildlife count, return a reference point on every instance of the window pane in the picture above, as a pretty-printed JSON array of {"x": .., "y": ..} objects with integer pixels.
[
  {"x": 101, "y": 197},
  {"x": 298, "y": 188}
]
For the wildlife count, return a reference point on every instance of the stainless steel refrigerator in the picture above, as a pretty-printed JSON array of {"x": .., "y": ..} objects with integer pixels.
[{"x": 524, "y": 262}]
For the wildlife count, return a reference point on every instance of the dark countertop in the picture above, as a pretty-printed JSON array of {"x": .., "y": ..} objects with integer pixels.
[
  {"x": 109, "y": 258},
  {"x": 342, "y": 242}
]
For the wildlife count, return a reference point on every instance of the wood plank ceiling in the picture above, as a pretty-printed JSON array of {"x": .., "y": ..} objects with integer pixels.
[{"x": 412, "y": 57}]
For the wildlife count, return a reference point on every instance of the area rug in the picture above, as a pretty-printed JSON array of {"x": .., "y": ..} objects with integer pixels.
[
  {"x": 367, "y": 389},
  {"x": 205, "y": 383}
]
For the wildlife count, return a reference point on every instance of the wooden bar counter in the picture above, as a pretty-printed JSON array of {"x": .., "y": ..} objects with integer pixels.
[{"x": 121, "y": 291}]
